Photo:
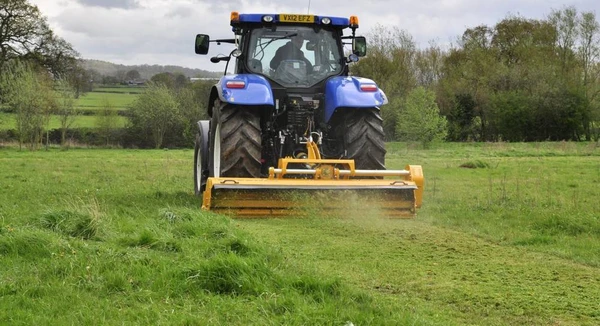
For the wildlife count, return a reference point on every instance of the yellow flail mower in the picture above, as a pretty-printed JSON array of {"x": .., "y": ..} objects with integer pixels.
[
  {"x": 290, "y": 131},
  {"x": 329, "y": 185}
]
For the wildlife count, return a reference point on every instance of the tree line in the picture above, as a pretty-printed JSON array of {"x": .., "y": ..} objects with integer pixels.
[
  {"x": 41, "y": 75},
  {"x": 519, "y": 80}
]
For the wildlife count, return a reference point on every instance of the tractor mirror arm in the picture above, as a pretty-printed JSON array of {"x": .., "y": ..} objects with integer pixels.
[
  {"x": 225, "y": 40},
  {"x": 219, "y": 59}
]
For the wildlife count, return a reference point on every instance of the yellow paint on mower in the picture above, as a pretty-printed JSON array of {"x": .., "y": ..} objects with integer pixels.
[{"x": 324, "y": 184}]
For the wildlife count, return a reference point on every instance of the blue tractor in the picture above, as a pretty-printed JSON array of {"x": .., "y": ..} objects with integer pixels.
[{"x": 291, "y": 116}]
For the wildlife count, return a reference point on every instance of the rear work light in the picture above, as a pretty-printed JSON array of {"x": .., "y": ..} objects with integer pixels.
[
  {"x": 368, "y": 87},
  {"x": 235, "y": 84}
]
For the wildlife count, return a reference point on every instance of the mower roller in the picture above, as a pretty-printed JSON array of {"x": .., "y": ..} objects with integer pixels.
[{"x": 290, "y": 131}]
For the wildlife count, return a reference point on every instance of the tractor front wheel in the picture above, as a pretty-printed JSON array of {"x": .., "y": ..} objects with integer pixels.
[{"x": 236, "y": 142}]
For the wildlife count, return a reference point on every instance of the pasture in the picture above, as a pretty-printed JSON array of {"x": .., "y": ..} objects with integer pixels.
[
  {"x": 7, "y": 121},
  {"x": 117, "y": 98},
  {"x": 509, "y": 234}
]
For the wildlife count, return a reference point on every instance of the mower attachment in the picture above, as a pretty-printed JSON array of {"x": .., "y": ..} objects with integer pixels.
[{"x": 330, "y": 186}]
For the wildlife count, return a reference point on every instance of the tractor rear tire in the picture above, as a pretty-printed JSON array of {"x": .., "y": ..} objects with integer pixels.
[
  {"x": 364, "y": 139},
  {"x": 236, "y": 142}
]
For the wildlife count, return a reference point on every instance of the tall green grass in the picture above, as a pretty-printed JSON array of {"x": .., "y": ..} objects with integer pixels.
[
  {"x": 113, "y": 237},
  {"x": 507, "y": 235}
]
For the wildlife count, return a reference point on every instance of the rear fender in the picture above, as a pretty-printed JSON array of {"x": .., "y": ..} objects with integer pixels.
[
  {"x": 256, "y": 90},
  {"x": 345, "y": 92}
]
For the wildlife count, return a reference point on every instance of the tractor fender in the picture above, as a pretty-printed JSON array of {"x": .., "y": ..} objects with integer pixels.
[
  {"x": 345, "y": 92},
  {"x": 256, "y": 90}
]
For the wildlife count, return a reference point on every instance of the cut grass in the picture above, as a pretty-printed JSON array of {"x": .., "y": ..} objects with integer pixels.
[{"x": 515, "y": 242}]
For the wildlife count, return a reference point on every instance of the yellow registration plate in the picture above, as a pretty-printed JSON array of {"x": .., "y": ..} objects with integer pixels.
[{"x": 285, "y": 18}]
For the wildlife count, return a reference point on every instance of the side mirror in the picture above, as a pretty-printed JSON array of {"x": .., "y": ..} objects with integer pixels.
[
  {"x": 359, "y": 46},
  {"x": 202, "y": 42}
]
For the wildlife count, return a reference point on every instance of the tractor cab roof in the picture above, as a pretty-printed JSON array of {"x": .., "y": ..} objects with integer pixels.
[{"x": 281, "y": 19}]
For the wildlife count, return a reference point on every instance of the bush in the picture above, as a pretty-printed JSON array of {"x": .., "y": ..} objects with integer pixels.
[
  {"x": 420, "y": 119},
  {"x": 156, "y": 113}
]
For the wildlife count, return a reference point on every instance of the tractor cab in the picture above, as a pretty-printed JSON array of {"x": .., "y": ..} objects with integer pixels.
[{"x": 290, "y": 50}]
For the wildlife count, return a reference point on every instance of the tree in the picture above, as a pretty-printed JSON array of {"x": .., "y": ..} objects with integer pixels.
[
  {"x": 428, "y": 66},
  {"x": 156, "y": 112},
  {"x": 390, "y": 62},
  {"x": 24, "y": 34},
  {"x": 109, "y": 80},
  {"x": 192, "y": 110},
  {"x": 171, "y": 80},
  {"x": 166, "y": 79},
  {"x": 589, "y": 53},
  {"x": 420, "y": 119},
  {"x": 566, "y": 23},
  {"x": 79, "y": 79},
  {"x": 107, "y": 121},
  {"x": 132, "y": 75},
  {"x": 29, "y": 93},
  {"x": 65, "y": 108}
]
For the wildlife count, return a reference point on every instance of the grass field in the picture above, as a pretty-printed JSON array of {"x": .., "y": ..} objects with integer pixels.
[
  {"x": 121, "y": 89},
  {"x": 509, "y": 234},
  {"x": 7, "y": 121},
  {"x": 119, "y": 98}
]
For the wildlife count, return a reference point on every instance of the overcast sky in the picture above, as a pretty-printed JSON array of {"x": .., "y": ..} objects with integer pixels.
[{"x": 162, "y": 31}]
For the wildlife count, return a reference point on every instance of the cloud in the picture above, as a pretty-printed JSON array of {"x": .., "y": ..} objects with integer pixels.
[
  {"x": 163, "y": 31},
  {"x": 123, "y": 4}
]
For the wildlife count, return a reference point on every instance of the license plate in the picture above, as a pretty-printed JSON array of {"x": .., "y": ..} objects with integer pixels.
[{"x": 296, "y": 18}]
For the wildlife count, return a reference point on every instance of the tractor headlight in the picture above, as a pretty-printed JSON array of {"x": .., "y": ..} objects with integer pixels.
[
  {"x": 325, "y": 20},
  {"x": 236, "y": 53},
  {"x": 267, "y": 19}
]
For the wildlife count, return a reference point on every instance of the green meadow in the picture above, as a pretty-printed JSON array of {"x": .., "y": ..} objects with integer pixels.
[
  {"x": 7, "y": 121},
  {"x": 509, "y": 234},
  {"x": 118, "y": 97}
]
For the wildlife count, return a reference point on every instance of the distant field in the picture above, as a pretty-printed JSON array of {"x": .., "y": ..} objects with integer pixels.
[
  {"x": 7, "y": 121},
  {"x": 123, "y": 89},
  {"x": 119, "y": 98}
]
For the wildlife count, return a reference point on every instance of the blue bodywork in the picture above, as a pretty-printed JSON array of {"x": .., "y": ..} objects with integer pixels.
[
  {"x": 345, "y": 92},
  {"x": 258, "y": 18},
  {"x": 256, "y": 92},
  {"x": 340, "y": 92}
]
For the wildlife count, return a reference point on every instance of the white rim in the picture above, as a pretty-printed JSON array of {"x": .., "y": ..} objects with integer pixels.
[
  {"x": 199, "y": 168},
  {"x": 217, "y": 152}
]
